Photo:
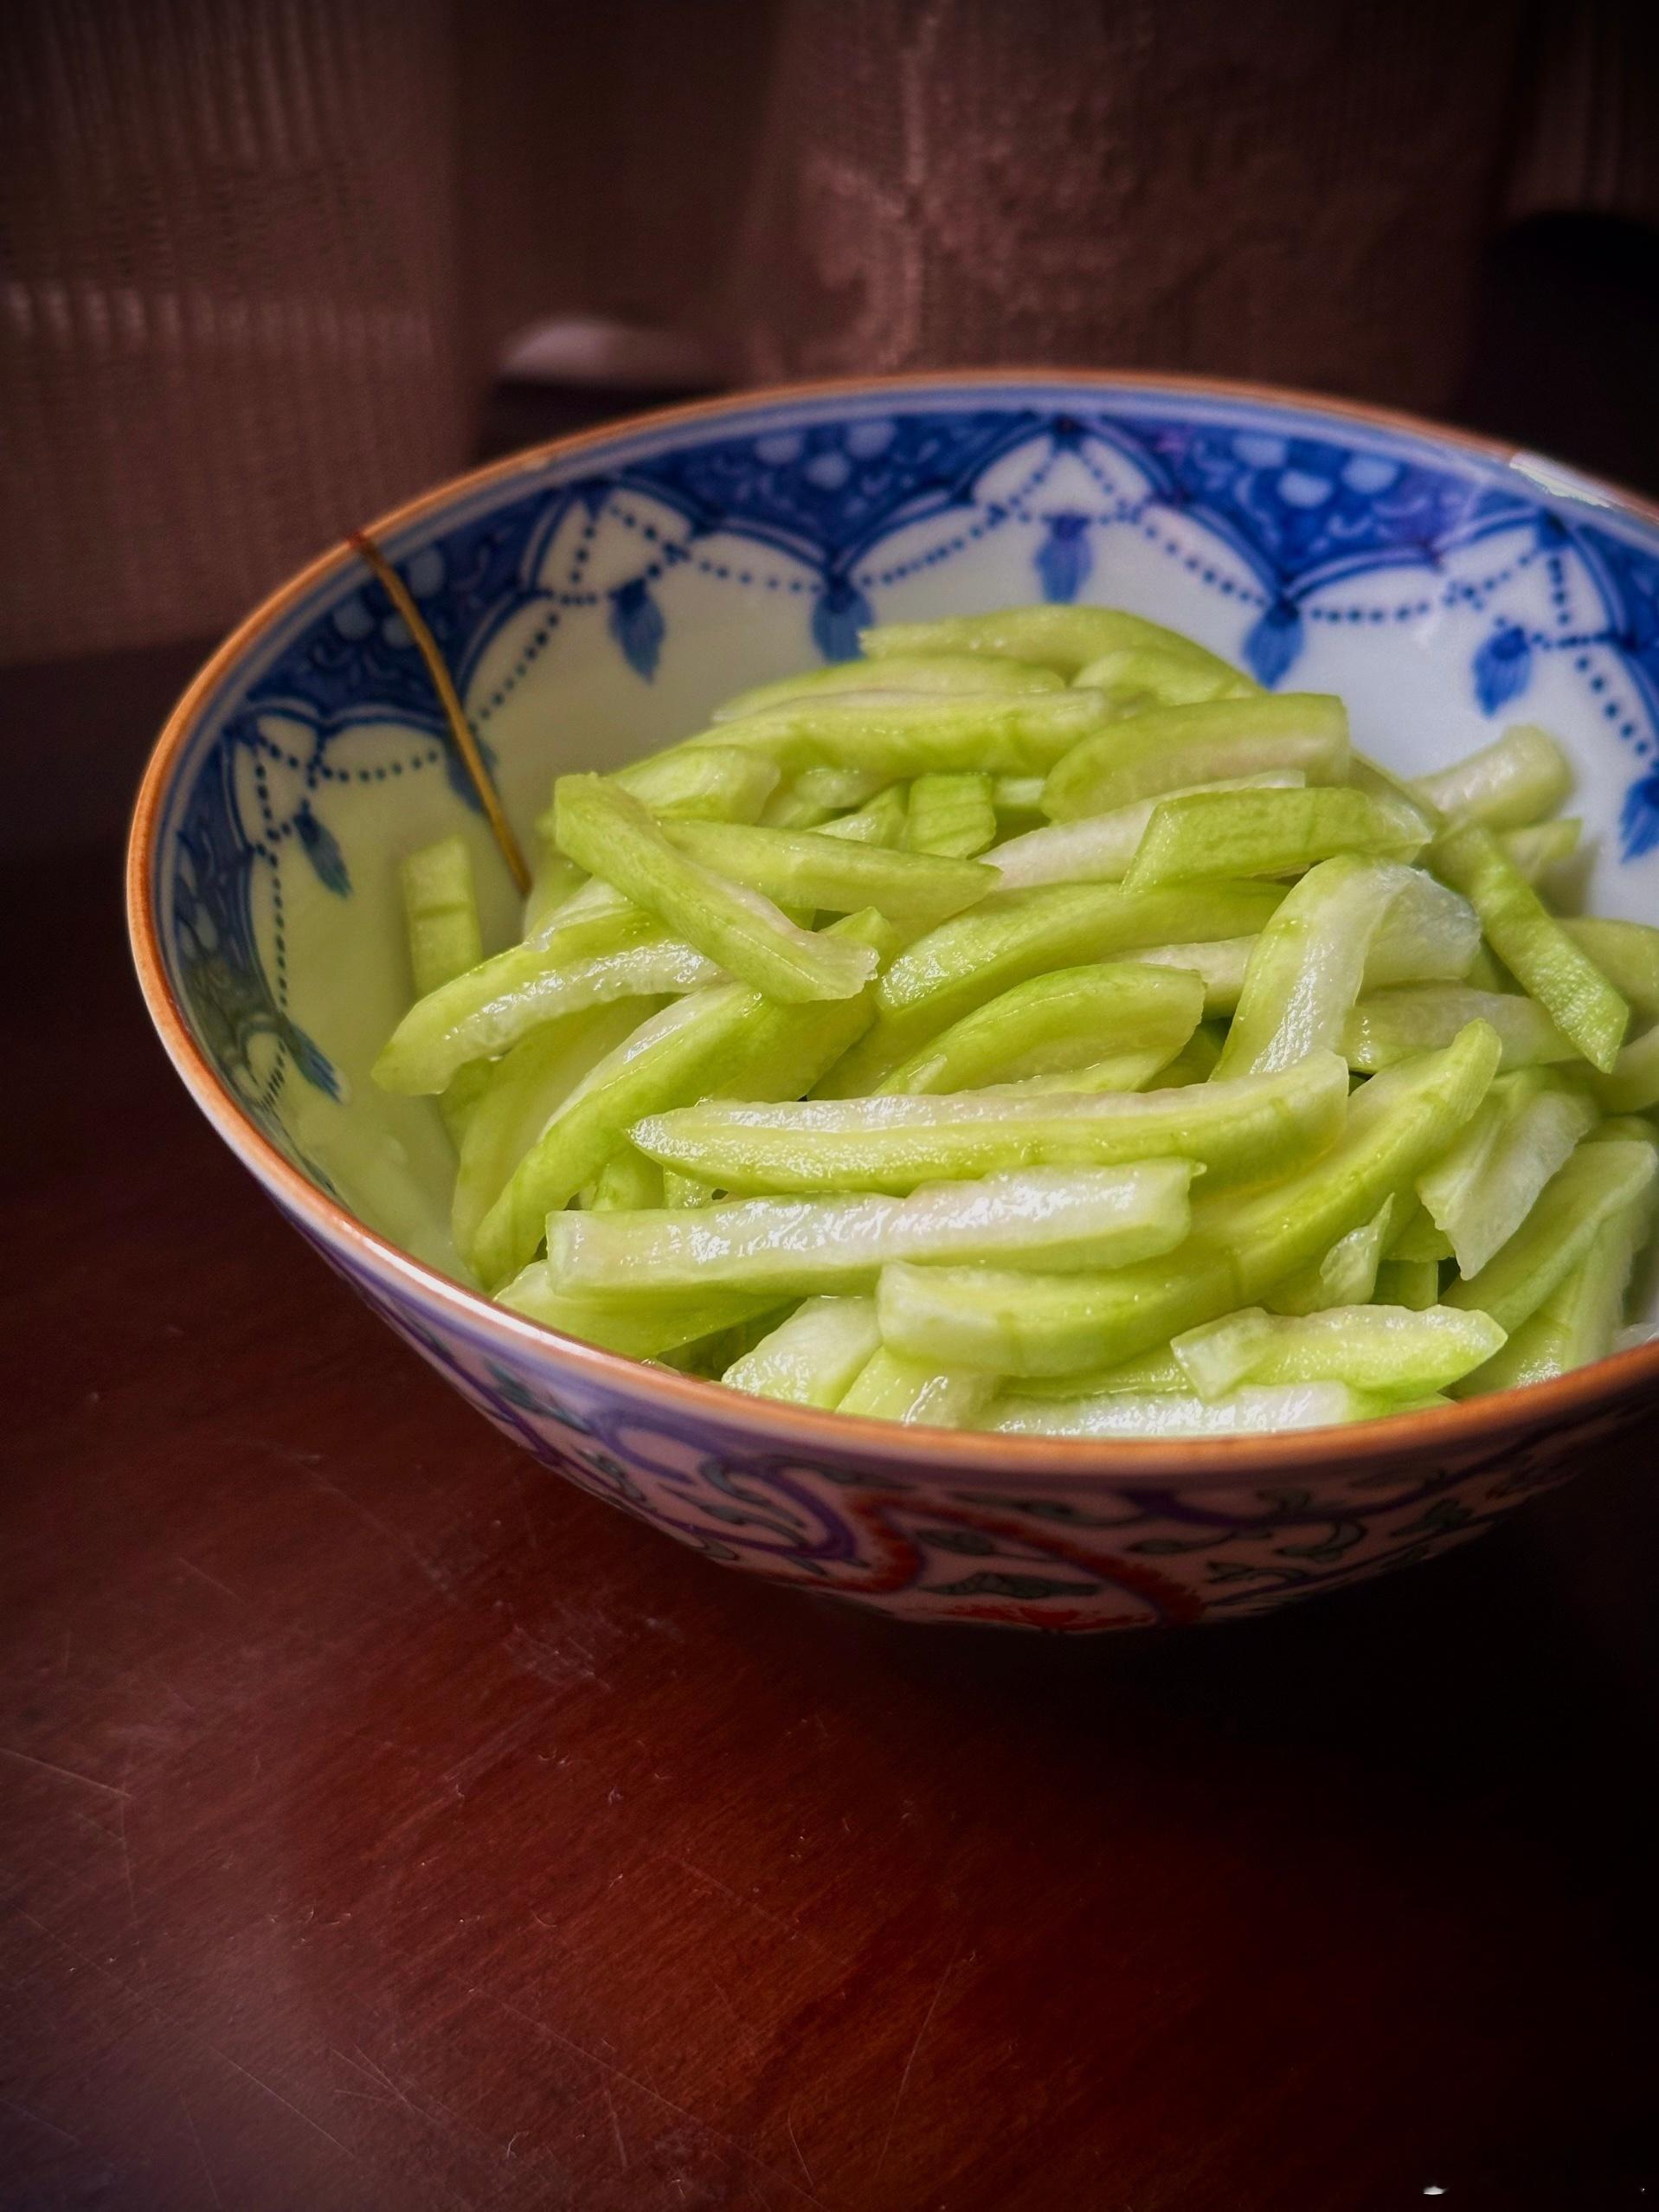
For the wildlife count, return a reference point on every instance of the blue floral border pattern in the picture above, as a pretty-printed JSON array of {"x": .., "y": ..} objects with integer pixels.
[{"x": 1290, "y": 518}]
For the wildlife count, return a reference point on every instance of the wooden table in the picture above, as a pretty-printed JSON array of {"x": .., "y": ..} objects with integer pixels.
[{"x": 383, "y": 1823}]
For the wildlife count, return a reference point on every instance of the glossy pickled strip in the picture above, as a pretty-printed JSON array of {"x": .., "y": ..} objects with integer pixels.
[
  {"x": 1581, "y": 1318},
  {"x": 1633, "y": 1085},
  {"x": 1345, "y": 1276},
  {"x": 1242, "y": 833},
  {"x": 728, "y": 1038},
  {"x": 814, "y": 1357},
  {"x": 1627, "y": 953},
  {"x": 998, "y": 1322},
  {"x": 1388, "y": 1350},
  {"x": 1020, "y": 935},
  {"x": 1070, "y": 1018},
  {"x": 1247, "y": 1413},
  {"x": 806, "y": 868},
  {"x": 522, "y": 1092},
  {"x": 1515, "y": 782},
  {"x": 953, "y": 814},
  {"x": 1243, "y": 1129},
  {"x": 893, "y": 733},
  {"x": 945, "y": 673},
  {"x": 1099, "y": 848},
  {"x": 1483, "y": 1187},
  {"x": 1310, "y": 962},
  {"x": 1148, "y": 754},
  {"x": 1063, "y": 638},
  {"x": 888, "y": 1388},
  {"x": 1389, "y": 1026},
  {"x": 480, "y": 1014},
  {"x": 1541, "y": 853},
  {"x": 639, "y": 1326},
  {"x": 1532, "y": 944},
  {"x": 610, "y": 834},
  {"x": 440, "y": 912},
  {"x": 879, "y": 821},
  {"x": 1057, "y": 1219},
  {"x": 1134, "y": 679},
  {"x": 706, "y": 783},
  {"x": 1597, "y": 1182}
]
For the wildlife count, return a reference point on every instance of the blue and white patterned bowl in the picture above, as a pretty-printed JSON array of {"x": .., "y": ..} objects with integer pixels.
[{"x": 593, "y": 599}]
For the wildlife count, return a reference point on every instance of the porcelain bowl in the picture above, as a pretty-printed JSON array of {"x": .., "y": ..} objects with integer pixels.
[{"x": 593, "y": 598}]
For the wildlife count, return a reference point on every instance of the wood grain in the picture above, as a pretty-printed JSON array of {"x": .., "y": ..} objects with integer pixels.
[{"x": 382, "y": 1824}]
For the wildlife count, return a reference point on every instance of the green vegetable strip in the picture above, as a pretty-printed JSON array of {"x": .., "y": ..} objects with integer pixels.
[
  {"x": 1150, "y": 1373},
  {"x": 1018, "y": 1201},
  {"x": 1345, "y": 1276},
  {"x": 440, "y": 908},
  {"x": 806, "y": 868},
  {"x": 1597, "y": 1182},
  {"x": 994, "y": 1320},
  {"x": 1221, "y": 967},
  {"x": 1129, "y": 1070},
  {"x": 1627, "y": 953},
  {"x": 706, "y": 784},
  {"x": 1196, "y": 1062},
  {"x": 1486, "y": 1184},
  {"x": 1388, "y": 1350},
  {"x": 1100, "y": 848},
  {"x": 478, "y": 1015},
  {"x": 1148, "y": 755},
  {"x": 942, "y": 672},
  {"x": 1242, "y": 1129},
  {"x": 1389, "y": 1026},
  {"x": 1065, "y": 638},
  {"x": 792, "y": 809},
  {"x": 814, "y": 1357},
  {"x": 1019, "y": 935},
  {"x": 1523, "y": 777},
  {"x": 1533, "y": 946},
  {"x": 640, "y": 1326},
  {"x": 627, "y": 1179},
  {"x": 609, "y": 833},
  {"x": 1067, "y": 1018},
  {"x": 1579, "y": 1319},
  {"x": 840, "y": 788},
  {"x": 890, "y": 1389},
  {"x": 892, "y": 734},
  {"x": 879, "y": 821},
  {"x": 440, "y": 912},
  {"x": 1429, "y": 935},
  {"x": 521, "y": 1093},
  {"x": 951, "y": 814},
  {"x": 685, "y": 1193},
  {"x": 1415, "y": 1236},
  {"x": 1633, "y": 1086},
  {"x": 1267, "y": 833},
  {"x": 1309, "y": 964},
  {"x": 1045, "y": 1218},
  {"x": 726, "y": 1038},
  {"x": 1537, "y": 852},
  {"x": 555, "y": 879},
  {"x": 1136, "y": 678},
  {"x": 1414, "y": 1285},
  {"x": 1169, "y": 1414}
]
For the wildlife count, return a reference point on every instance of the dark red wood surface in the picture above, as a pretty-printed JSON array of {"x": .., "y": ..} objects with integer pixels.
[{"x": 382, "y": 1824}]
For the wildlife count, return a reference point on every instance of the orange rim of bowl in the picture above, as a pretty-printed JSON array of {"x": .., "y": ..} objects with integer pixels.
[{"x": 802, "y": 1431}]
